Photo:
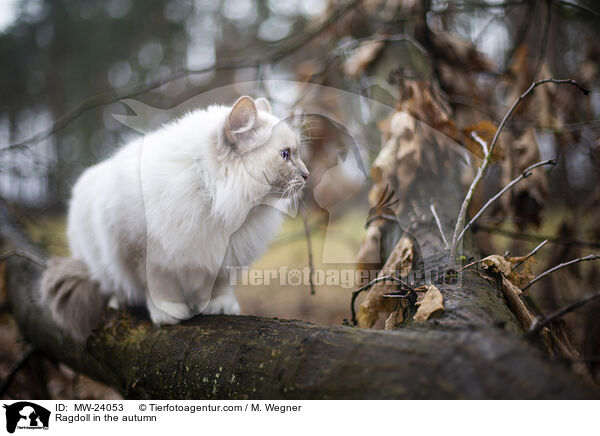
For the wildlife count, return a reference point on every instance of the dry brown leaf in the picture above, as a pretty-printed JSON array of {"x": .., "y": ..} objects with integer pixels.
[
  {"x": 504, "y": 265},
  {"x": 431, "y": 305},
  {"x": 426, "y": 104},
  {"x": 363, "y": 56},
  {"x": 400, "y": 262},
  {"x": 369, "y": 253},
  {"x": 395, "y": 319},
  {"x": 525, "y": 274},
  {"x": 460, "y": 52},
  {"x": 526, "y": 198},
  {"x": 497, "y": 263}
]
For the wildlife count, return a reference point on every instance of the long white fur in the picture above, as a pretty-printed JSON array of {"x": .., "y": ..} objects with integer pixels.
[{"x": 159, "y": 222}]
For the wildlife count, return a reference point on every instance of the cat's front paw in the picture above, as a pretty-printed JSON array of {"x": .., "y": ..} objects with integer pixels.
[
  {"x": 222, "y": 305},
  {"x": 169, "y": 313}
]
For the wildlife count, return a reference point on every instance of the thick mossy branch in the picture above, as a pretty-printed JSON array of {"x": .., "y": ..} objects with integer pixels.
[{"x": 250, "y": 357}]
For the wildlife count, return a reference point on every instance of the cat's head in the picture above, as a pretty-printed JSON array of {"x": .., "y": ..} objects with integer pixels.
[{"x": 267, "y": 146}]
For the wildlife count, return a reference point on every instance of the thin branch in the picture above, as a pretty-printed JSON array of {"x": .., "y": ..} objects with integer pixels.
[
  {"x": 577, "y": 6},
  {"x": 544, "y": 39},
  {"x": 114, "y": 95},
  {"x": 481, "y": 142},
  {"x": 460, "y": 222},
  {"x": 231, "y": 64},
  {"x": 526, "y": 173},
  {"x": 557, "y": 267},
  {"x": 538, "y": 324},
  {"x": 366, "y": 287},
  {"x": 311, "y": 264},
  {"x": 24, "y": 254},
  {"x": 535, "y": 238},
  {"x": 531, "y": 253},
  {"x": 474, "y": 6},
  {"x": 468, "y": 265},
  {"x": 439, "y": 224},
  {"x": 20, "y": 363}
]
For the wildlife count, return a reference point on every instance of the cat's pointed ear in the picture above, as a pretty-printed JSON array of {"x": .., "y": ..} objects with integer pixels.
[
  {"x": 262, "y": 104},
  {"x": 242, "y": 117}
]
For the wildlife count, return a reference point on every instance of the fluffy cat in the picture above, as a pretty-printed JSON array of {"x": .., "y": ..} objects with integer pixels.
[{"x": 158, "y": 223}]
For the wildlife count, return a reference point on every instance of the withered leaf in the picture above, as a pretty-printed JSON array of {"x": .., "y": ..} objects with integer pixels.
[
  {"x": 431, "y": 305},
  {"x": 363, "y": 56},
  {"x": 401, "y": 260},
  {"x": 527, "y": 198},
  {"x": 369, "y": 253},
  {"x": 518, "y": 277}
]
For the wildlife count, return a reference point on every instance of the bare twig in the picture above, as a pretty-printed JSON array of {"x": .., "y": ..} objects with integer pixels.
[
  {"x": 439, "y": 224},
  {"x": 356, "y": 293},
  {"x": 24, "y": 254},
  {"x": 468, "y": 265},
  {"x": 539, "y": 324},
  {"x": 239, "y": 63},
  {"x": 577, "y": 6},
  {"x": 311, "y": 265},
  {"x": 460, "y": 222},
  {"x": 481, "y": 142},
  {"x": 20, "y": 363},
  {"x": 526, "y": 173},
  {"x": 536, "y": 238},
  {"x": 544, "y": 39},
  {"x": 557, "y": 267},
  {"x": 113, "y": 95},
  {"x": 531, "y": 253}
]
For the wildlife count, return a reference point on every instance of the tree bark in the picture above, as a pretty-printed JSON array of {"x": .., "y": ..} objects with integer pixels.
[{"x": 243, "y": 357}]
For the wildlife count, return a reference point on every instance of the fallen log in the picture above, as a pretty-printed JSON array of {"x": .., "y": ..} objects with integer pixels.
[{"x": 245, "y": 357}]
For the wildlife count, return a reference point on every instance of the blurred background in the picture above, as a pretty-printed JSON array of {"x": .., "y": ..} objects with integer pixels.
[{"x": 65, "y": 64}]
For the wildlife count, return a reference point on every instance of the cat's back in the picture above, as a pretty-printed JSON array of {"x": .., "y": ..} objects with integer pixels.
[{"x": 101, "y": 195}]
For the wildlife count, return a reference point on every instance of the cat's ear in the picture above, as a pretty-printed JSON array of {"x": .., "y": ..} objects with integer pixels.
[
  {"x": 262, "y": 104},
  {"x": 242, "y": 117}
]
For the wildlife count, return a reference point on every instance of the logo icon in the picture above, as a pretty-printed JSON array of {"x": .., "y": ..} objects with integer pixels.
[{"x": 26, "y": 415}]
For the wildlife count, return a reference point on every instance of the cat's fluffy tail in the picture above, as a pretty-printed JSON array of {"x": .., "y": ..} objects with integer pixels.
[{"x": 74, "y": 299}]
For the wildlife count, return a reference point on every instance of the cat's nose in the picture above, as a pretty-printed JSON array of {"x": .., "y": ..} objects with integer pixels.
[{"x": 305, "y": 174}]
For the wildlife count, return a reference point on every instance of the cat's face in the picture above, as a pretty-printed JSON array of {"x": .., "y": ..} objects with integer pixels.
[{"x": 267, "y": 146}]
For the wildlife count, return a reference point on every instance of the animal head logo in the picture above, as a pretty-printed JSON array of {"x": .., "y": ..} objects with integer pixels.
[{"x": 26, "y": 415}]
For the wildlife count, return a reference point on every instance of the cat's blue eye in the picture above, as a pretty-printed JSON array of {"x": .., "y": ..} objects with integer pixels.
[{"x": 285, "y": 154}]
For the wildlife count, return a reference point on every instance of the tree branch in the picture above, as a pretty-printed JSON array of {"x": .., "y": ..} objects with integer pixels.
[
  {"x": 439, "y": 225},
  {"x": 460, "y": 222},
  {"x": 535, "y": 238},
  {"x": 20, "y": 363},
  {"x": 311, "y": 264},
  {"x": 544, "y": 39},
  {"x": 237, "y": 357},
  {"x": 538, "y": 324},
  {"x": 577, "y": 6},
  {"x": 526, "y": 173},
  {"x": 557, "y": 267},
  {"x": 531, "y": 253}
]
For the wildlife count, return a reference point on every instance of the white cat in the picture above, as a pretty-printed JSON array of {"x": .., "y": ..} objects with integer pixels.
[{"x": 160, "y": 221}]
